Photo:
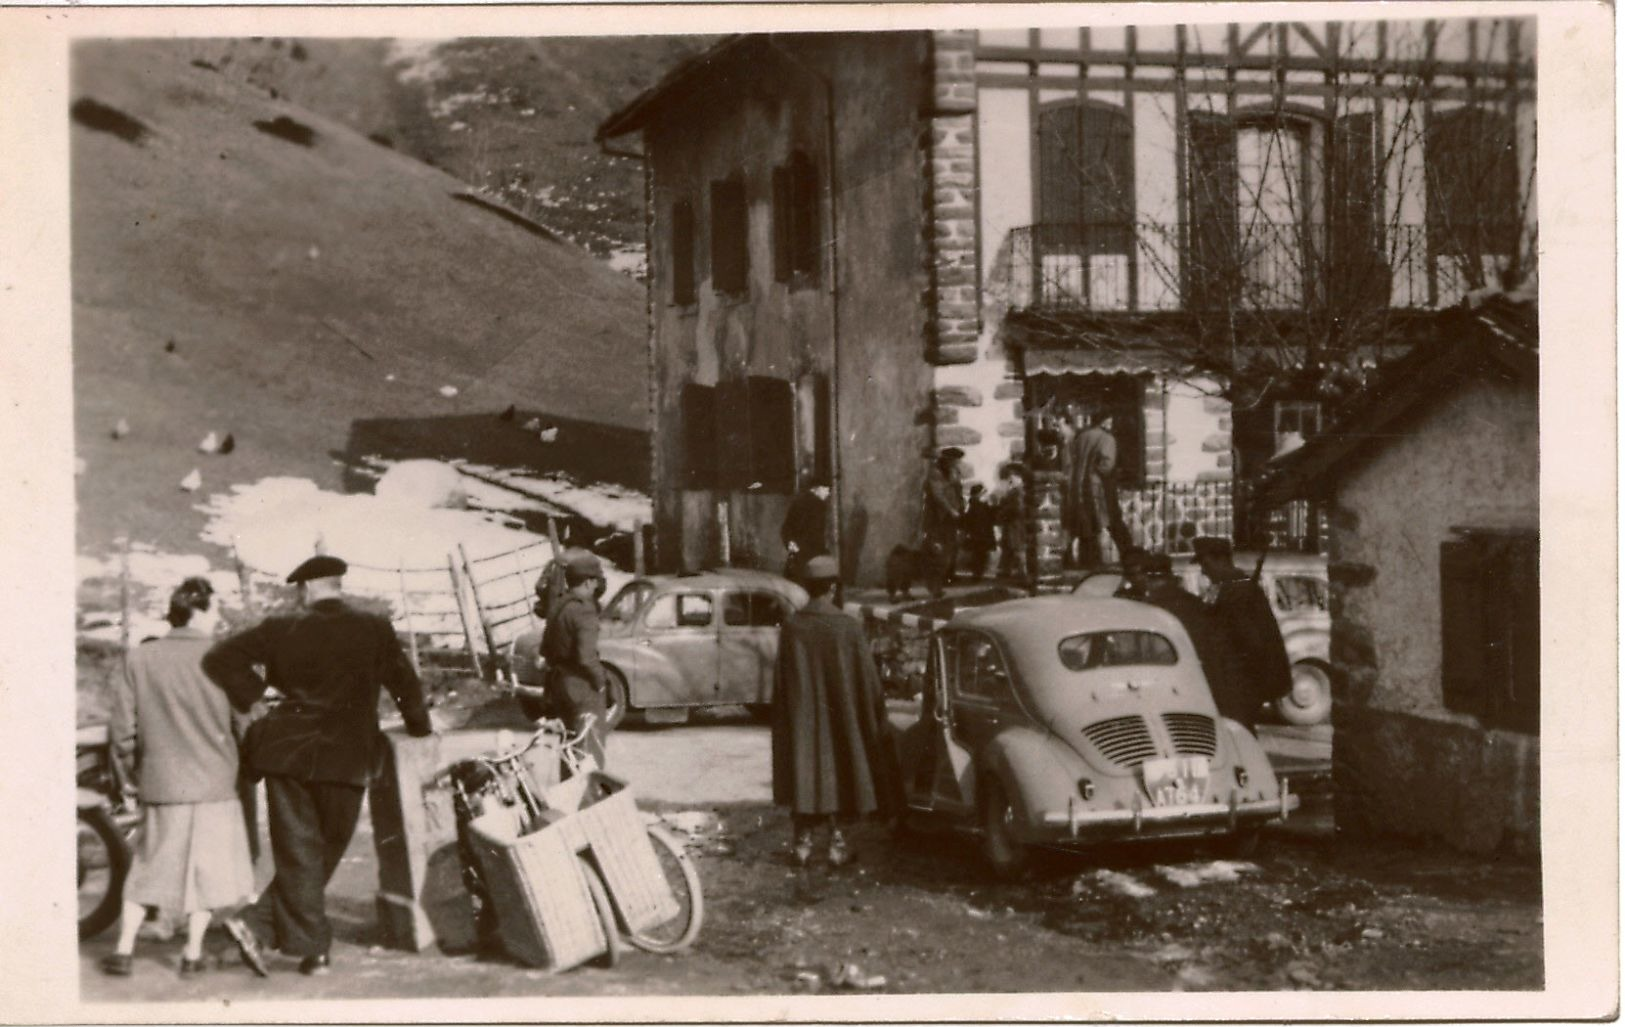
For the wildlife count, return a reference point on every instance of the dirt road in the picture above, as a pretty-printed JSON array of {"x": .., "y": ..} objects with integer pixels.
[{"x": 919, "y": 912}]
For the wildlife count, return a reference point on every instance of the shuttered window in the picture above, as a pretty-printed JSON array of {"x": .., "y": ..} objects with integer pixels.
[
  {"x": 699, "y": 416},
  {"x": 1359, "y": 275},
  {"x": 1086, "y": 177},
  {"x": 797, "y": 247},
  {"x": 1210, "y": 272},
  {"x": 682, "y": 253},
  {"x": 730, "y": 237},
  {"x": 1489, "y": 588},
  {"x": 755, "y": 438},
  {"x": 1472, "y": 185}
]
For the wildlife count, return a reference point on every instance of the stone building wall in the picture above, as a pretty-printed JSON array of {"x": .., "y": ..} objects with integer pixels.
[{"x": 1403, "y": 763}]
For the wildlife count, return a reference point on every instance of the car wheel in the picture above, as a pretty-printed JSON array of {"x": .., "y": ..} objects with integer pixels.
[
  {"x": 617, "y": 697},
  {"x": 1006, "y": 855},
  {"x": 1310, "y": 701}
]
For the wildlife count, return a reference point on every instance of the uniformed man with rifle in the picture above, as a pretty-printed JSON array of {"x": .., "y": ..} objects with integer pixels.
[{"x": 575, "y": 684}]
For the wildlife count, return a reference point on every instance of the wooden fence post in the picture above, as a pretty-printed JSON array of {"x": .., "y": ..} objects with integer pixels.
[
  {"x": 638, "y": 565},
  {"x": 479, "y": 607},
  {"x": 462, "y": 613},
  {"x": 245, "y": 582},
  {"x": 124, "y": 593},
  {"x": 406, "y": 611}
]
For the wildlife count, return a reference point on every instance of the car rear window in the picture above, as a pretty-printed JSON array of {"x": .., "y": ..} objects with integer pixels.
[{"x": 1116, "y": 649}]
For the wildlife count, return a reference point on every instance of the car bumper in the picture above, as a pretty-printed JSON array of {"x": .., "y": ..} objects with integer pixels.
[{"x": 1200, "y": 818}]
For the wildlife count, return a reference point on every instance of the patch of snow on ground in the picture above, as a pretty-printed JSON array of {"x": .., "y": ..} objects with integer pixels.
[
  {"x": 1121, "y": 883},
  {"x": 153, "y": 576},
  {"x": 1218, "y": 871},
  {"x": 418, "y": 59},
  {"x": 632, "y": 261},
  {"x": 606, "y": 505}
]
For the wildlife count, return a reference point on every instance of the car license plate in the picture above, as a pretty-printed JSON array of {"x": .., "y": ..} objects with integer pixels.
[{"x": 1176, "y": 781}]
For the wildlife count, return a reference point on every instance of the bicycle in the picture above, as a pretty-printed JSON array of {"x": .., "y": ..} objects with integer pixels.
[
  {"x": 106, "y": 821},
  {"x": 506, "y": 778}
]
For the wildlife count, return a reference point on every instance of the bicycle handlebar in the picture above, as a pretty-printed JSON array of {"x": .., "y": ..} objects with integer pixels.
[{"x": 546, "y": 728}]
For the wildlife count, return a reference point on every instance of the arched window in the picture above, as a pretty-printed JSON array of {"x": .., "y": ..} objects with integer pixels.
[{"x": 1085, "y": 203}]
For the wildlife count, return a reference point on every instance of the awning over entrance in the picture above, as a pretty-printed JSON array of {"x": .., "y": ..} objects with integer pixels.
[{"x": 1096, "y": 362}]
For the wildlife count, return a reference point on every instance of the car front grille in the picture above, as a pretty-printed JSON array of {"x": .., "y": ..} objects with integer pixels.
[
  {"x": 1193, "y": 734},
  {"x": 1124, "y": 740}
]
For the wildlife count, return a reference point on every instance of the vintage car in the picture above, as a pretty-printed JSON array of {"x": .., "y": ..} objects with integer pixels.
[
  {"x": 1060, "y": 720},
  {"x": 670, "y": 643},
  {"x": 1297, "y": 586}
]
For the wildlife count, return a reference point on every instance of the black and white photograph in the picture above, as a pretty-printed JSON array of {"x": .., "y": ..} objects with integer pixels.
[{"x": 889, "y": 513}]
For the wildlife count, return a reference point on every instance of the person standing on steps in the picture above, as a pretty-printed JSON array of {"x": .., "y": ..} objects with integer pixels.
[
  {"x": 834, "y": 759},
  {"x": 317, "y": 749},
  {"x": 172, "y": 733}
]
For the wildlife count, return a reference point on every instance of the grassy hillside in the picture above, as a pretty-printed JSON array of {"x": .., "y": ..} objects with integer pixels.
[
  {"x": 235, "y": 279},
  {"x": 514, "y": 116}
]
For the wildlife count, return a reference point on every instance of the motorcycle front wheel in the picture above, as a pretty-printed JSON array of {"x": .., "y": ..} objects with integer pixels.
[{"x": 104, "y": 860}]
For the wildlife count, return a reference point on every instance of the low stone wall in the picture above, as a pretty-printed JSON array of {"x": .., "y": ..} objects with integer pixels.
[{"x": 1397, "y": 774}]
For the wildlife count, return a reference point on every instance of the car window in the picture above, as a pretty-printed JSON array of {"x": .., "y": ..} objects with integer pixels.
[
  {"x": 752, "y": 610},
  {"x": 1296, "y": 593},
  {"x": 627, "y": 600},
  {"x": 980, "y": 669},
  {"x": 679, "y": 610},
  {"x": 1116, "y": 649}
]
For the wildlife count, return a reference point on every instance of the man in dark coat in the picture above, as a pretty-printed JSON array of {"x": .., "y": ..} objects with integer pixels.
[
  {"x": 317, "y": 749},
  {"x": 805, "y": 529},
  {"x": 979, "y": 538},
  {"x": 944, "y": 506},
  {"x": 1257, "y": 668},
  {"x": 575, "y": 686},
  {"x": 1092, "y": 490},
  {"x": 1150, "y": 578},
  {"x": 833, "y": 753}
]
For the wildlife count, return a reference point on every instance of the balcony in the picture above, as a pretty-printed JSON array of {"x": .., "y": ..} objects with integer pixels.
[{"x": 1262, "y": 266}]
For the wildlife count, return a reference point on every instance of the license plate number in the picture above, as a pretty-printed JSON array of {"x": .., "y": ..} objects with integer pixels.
[{"x": 1176, "y": 781}]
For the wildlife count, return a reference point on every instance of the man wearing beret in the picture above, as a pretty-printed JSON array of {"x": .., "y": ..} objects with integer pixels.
[
  {"x": 575, "y": 685},
  {"x": 317, "y": 749},
  {"x": 1256, "y": 668},
  {"x": 833, "y": 755}
]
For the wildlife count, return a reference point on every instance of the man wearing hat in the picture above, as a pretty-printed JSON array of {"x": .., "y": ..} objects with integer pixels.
[
  {"x": 317, "y": 749},
  {"x": 1150, "y": 578},
  {"x": 575, "y": 684},
  {"x": 943, "y": 508},
  {"x": 1256, "y": 666},
  {"x": 834, "y": 759}
]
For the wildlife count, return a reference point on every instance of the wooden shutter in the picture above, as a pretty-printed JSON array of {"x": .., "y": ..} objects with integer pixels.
[
  {"x": 806, "y": 251},
  {"x": 1106, "y": 144},
  {"x": 733, "y": 434},
  {"x": 1060, "y": 166},
  {"x": 783, "y": 224},
  {"x": 1211, "y": 266},
  {"x": 1519, "y": 702},
  {"x": 1464, "y": 662},
  {"x": 682, "y": 253},
  {"x": 772, "y": 433},
  {"x": 699, "y": 436},
  {"x": 1357, "y": 275},
  {"x": 1472, "y": 184}
]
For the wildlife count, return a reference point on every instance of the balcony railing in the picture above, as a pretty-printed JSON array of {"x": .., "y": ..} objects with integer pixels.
[{"x": 1260, "y": 265}]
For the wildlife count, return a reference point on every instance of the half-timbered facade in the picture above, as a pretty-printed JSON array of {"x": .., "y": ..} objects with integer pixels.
[{"x": 921, "y": 239}]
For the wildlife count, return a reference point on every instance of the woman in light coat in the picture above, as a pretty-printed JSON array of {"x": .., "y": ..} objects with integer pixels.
[{"x": 172, "y": 732}]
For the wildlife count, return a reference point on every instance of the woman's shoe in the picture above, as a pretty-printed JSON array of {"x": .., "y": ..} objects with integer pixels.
[
  {"x": 839, "y": 854},
  {"x": 118, "y": 964},
  {"x": 193, "y": 967},
  {"x": 801, "y": 852}
]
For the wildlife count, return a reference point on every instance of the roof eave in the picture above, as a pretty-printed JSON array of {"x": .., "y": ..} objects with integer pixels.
[{"x": 635, "y": 114}]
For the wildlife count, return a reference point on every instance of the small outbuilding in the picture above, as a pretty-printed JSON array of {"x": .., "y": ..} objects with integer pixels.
[{"x": 1432, "y": 480}]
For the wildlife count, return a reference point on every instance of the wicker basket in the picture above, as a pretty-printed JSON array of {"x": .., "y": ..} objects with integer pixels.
[
  {"x": 613, "y": 831},
  {"x": 536, "y": 883}
]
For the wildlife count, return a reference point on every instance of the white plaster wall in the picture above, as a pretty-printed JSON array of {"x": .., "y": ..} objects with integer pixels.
[
  {"x": 1473, "y": 460},
  {"x": 1004, "y": 172},
  {"x": 1194, "y": 415}
]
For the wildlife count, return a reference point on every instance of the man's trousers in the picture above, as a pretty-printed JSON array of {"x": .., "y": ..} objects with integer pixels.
[{"x": 311, "y": 823}]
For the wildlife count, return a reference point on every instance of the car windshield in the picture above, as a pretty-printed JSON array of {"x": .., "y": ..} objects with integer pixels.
[
  {"x": 627, "y": 601},
  {"x": 1116, "y": 649}
]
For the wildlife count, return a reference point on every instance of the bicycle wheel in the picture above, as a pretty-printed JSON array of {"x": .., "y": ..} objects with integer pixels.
[
  {"x": 606, "y": 915},
  {"x": 104, "y": 860},
  {"x": 684, "y": 877}
]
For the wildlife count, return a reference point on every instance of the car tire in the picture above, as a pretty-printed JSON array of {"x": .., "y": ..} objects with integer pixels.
[
  {"x": 1006, "y": 856},
  {"x": 1310, "y": 701},
  {"x": 617, "y": 697},
  {"x": 1241, "y": 843}
]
